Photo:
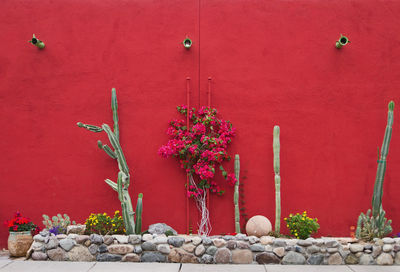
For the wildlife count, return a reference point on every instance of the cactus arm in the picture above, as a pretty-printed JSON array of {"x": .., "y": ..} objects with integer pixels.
[
  {"x": 112, "y": 184},
  {"x": 139, "y": 209},
  {"x": 359, "y": 226},
  {"x": 380, "y": 173},
  {"x": 114, "y": 108},
  {"x": 276, "y": 149},
  {"x": 120, "y": 186},
  {"x": 106, "y": 149},
  {"x": 118, "y": 151},
  {"x": 236, "y": 194},
  {"x": 89, "y": 127}
]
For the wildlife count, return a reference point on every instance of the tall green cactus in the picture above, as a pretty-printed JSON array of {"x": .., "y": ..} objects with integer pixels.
[
  {"x": 236, "y": 194},
  {"x": 139, "y": 208},
  {"x": 380, "y": 173},
  {"x": 276, "y": 148},
  {"x": 376, "y": 225},
  {"x": 123, "y": 181}
]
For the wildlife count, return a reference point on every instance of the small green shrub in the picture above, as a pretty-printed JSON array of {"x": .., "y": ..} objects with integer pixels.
[
  {"x": 103, "y": 224},
  {"x": 301, "y": 226}
]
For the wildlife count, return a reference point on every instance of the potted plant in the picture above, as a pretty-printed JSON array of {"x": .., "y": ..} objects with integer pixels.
[{"x": 20, "y": 235}]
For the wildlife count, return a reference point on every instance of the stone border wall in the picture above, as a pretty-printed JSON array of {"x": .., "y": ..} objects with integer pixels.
[{"x": 239, "y": 249}]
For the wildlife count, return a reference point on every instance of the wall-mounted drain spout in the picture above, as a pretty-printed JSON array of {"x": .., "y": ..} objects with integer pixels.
[
  {"x": 343, "y": 40},
  {"x": 36, "y": 42},
  {"x": 187, "y": 43}
]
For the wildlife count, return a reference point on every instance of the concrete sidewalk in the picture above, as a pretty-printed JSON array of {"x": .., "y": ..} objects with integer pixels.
[{"x": 26, "y": 266}]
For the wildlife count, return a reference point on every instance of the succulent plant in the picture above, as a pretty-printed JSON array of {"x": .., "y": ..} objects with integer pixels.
[
  {"x": 58, "y": 223},
  {"x": 123, "y": 181},
  {"x": 376, "y": 225}
]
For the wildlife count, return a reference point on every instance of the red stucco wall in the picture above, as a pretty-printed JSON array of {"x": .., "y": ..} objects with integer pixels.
[{"x": 272, "y": 62}]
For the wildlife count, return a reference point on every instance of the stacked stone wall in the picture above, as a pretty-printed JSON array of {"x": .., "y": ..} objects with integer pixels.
[{"x": 239, "y": 249}]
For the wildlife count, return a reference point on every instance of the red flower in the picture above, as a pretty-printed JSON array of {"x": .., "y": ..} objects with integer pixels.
[{"x": 202, "y": 148}]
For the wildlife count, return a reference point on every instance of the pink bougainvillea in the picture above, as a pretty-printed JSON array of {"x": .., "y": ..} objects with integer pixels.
[{"x": 201, "y": 149}]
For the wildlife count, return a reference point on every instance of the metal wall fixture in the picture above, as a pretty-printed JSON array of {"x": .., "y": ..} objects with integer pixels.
[
  {"x": 343, "y": 40},
  {"x": 187, "y": 43},
  {"x": 36, "y": 42}
]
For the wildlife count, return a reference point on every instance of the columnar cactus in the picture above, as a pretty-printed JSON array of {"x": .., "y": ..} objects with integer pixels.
[
  {"x": 139, "y": 208},
  {"x": 276, "y": 148},
  {"x": 123, "y": 181},
  {"x": 236, "y": 194},
  {"x": 376, "y": 225},
  {"x": 380, "y": 173}
]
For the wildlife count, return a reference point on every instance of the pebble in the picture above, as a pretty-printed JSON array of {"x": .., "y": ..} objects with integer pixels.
[
  {"x": 243, "y": 256},
  {"x": 206, "y": 241},
  {"x": 267, "y": 240},
  {"x": 387, "y": 247},
  {"x": 231, "y": 244},
  {"x": 176, "y": 241},
  {"x": 388, "y": 240},
  {"x": 120, "y": 249},
  {"x": 93, "y": 249},
  {"x": 335, "y": 259},
  {"x": 356, "y": 248},
  {"x": 161, "y": 228},
  {"x": 80, "y": 239},
  {"x": 80, "y": 253},
  {"x": 279, "y": 251},
  {"x": 223, "y": 256},
  {"x": 257, "y": 248},
  {"x": 207, "y": 259},
  {"x": 196, "y": 240},
  {"x": 96, "y": 239},
  {"x": 189, "y": 247},
  {"x": 351, "y": 259},
  {"x": 313, "y": 249},
  {"x": 39, "y": 256},
  {"x": 131, "y": 257},
  {"x": 267, "y": 258},
  {"x": 366, "y": 259},
  {"x": 279, "y": 243},
  {"x": 153, "y": 257},
  {"x": 147, "y": 237},
  {"x": 331, "y": 243},
  {"x": 385, "y": 259},
  {"x": 211, "y": 250},
  {"x": 102, "y": 248},
  {"x": 253, "y": 239},
  {"x": 397, "y": 258},
  {"x": 122, "y": 239},
  {"x": 293, "y": 258},
  {"x": 219, "y": 242},
  {"x": 242, "y": 245},
  {"x": 315, "y": 259},
  {"x": 57, "y": 254},
  {"x": 332, "y": 250},
  {"x": 40, "y": 238},
  {"x": 134, "y": 239},
  {"x": 304, "y": 243},
  {"x": 106, "y": 257},
  {"x": 160, "y": 240},
  {"x": 200, "y": 249},
  {"x": 52, "y": 243},
  {"x": 67, "y": 244},
  {"x": 149, "y": 246}
]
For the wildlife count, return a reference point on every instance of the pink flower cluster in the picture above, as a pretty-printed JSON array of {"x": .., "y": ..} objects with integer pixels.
[{"x": 202, "y": 148}]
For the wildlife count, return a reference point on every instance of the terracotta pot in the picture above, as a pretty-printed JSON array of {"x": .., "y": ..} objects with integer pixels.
[{"x": 19, "y": 243}]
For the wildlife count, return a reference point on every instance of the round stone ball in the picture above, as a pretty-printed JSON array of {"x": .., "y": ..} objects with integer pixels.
[{"x": 258, "y": 226}]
